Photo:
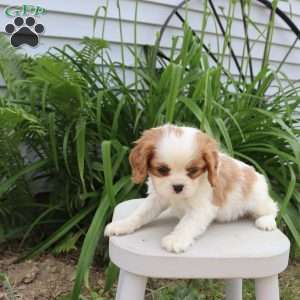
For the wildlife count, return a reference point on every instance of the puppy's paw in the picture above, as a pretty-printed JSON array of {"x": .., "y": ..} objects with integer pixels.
[
  {"x": 119, "y": 228},
  {"x": 266, "y": 223},
  {"x": 175, "y": 243}
]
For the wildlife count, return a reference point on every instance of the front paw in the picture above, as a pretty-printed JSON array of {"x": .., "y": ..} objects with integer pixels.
[
  {"x": 119, "y": 228},
  {"x": 176, "y": 243}
]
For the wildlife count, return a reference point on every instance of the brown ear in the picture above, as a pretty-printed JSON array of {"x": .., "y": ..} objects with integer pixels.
[
  {"x": 141, "y": 154},
  {"x": 210, "y": 155}
]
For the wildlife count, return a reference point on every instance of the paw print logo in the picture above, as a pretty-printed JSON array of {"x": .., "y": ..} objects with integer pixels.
[{"x": 24, "y": 32}]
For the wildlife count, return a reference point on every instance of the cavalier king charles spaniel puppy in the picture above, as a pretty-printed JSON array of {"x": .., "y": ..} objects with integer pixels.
[{"x": 189, "y": 178}]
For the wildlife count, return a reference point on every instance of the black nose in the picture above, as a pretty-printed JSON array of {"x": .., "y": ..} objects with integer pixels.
[{"x": 178, "y": 188}]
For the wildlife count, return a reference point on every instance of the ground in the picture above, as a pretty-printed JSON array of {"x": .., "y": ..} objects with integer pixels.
[
  {"x": 47, "y": 277},
  {"x": 51, "y": 277}
]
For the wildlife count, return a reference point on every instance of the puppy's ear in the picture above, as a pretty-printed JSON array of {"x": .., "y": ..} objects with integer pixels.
[
  {"x": 142, "y": 153},
  {"x": 210, "y": 156}
]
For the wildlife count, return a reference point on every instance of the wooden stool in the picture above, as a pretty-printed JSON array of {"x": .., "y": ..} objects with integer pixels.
[{"x": 229, "y": 251}]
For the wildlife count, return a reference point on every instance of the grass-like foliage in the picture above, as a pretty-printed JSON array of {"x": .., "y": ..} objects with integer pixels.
[{"x": 68, "y": 120}]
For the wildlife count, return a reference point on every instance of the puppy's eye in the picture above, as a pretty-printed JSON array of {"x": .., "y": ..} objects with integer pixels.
[
  {"x": 163, "y": 170},
  {"x": 192, "y": 171}
]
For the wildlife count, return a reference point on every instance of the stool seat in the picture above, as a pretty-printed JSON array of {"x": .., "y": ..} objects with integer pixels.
[{"x": 226, "y": 250}]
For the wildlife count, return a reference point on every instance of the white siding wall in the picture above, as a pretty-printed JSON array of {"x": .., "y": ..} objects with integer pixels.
[{"x": 69, "y": 21}]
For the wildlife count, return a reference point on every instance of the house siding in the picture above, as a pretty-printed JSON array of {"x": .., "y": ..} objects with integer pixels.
[{"x": 68, "y": 21}]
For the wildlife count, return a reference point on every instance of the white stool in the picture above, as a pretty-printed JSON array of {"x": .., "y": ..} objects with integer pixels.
[{"x": 229, "y": 251}]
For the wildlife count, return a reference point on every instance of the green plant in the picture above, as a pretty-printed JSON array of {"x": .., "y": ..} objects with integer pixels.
[
  {"x": 61, "y": 116},
  {"x": 208, "y": 289},
  {"x": 8, "y": 289},
  {"x": 76, "y": 122}
]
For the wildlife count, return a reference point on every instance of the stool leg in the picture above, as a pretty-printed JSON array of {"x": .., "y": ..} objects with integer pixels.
[
  {"x": 234, "y": 289},
  {"x": 267, "y": 288},
  {"x": 131, "y": 286}
]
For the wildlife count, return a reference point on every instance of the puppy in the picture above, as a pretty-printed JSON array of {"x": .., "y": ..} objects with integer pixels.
[{"x": 188, "y": 177}]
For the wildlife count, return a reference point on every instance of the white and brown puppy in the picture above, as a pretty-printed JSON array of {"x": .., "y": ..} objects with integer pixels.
[{"x": 190, "y": 178}]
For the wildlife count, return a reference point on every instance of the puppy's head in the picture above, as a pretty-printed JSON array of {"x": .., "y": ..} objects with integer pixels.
[{"x": 177, "y": 159}]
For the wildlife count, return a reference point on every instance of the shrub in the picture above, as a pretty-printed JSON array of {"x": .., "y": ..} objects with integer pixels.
[{"x": 67, "y": 125}]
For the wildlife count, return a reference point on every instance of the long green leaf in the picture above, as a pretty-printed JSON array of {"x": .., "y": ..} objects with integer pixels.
[
  {"x": 175, "y": 78},
  {"x": 52, "y": 138},
  {"x": 81, "y": 148},
  {"x": 92, "y": 237},
  {"x": 108, "y": 174}
]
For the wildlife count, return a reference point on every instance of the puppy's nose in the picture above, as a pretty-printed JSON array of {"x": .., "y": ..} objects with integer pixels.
[{"x": 178, "y": 188}]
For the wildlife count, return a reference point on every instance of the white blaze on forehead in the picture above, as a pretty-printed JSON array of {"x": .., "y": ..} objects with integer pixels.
[{"x": 177, "y": 146}]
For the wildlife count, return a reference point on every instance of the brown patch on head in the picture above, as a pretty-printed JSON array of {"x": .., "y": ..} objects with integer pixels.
[
  {"x": 209, "y": 154},
  {"x": 142, "y": 153},
  {"x": 230, "y": 175}
]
